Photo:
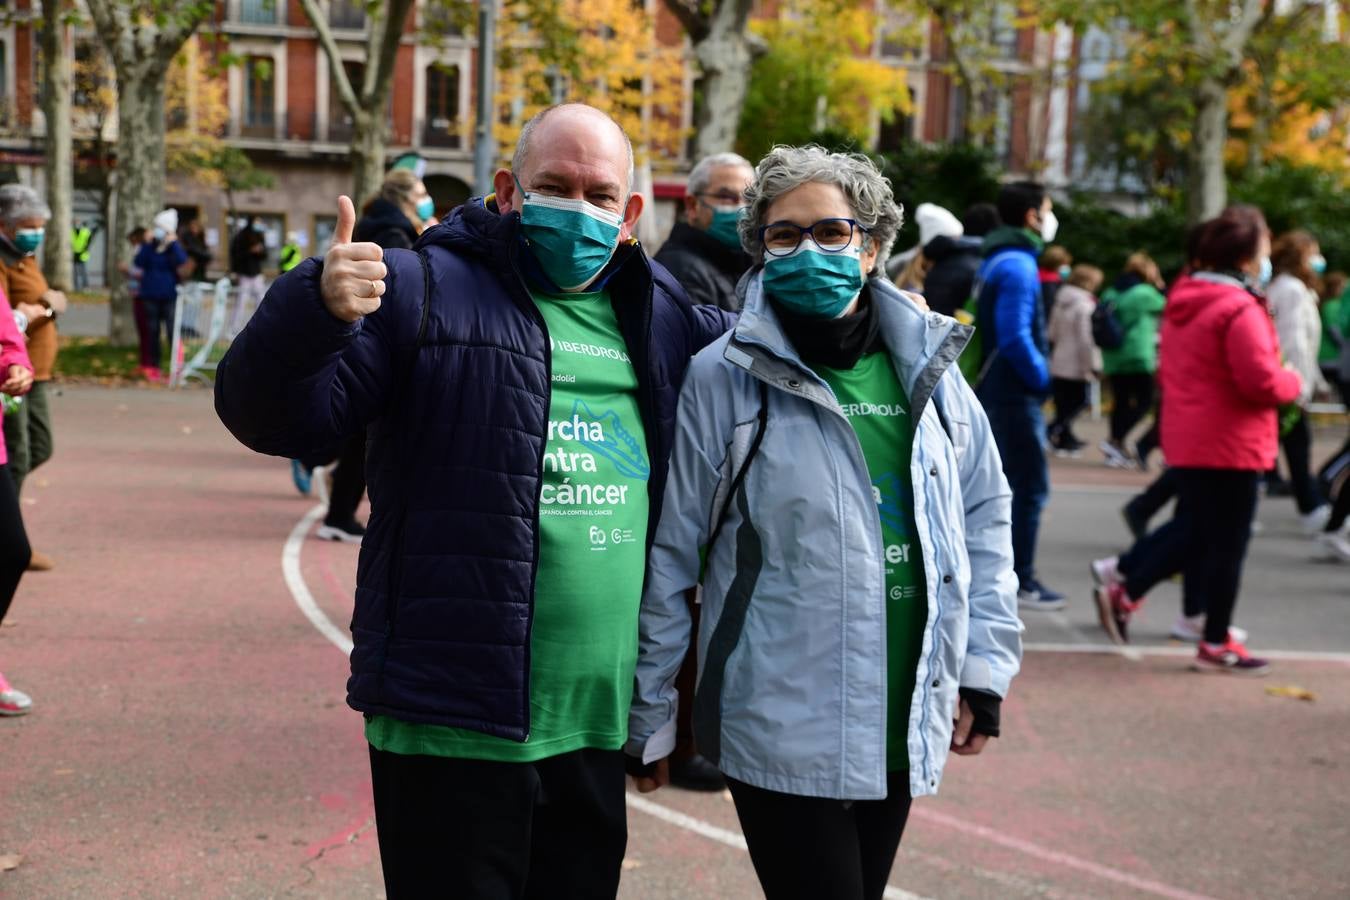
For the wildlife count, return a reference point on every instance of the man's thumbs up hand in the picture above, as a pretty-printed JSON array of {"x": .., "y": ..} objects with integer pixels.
[{"x": 353, "y": 274}]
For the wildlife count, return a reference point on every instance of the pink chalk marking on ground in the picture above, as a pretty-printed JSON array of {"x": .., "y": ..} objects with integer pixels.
[
  {"x": 350, "y": 833},
  {"x": 1097, "y": 870}
]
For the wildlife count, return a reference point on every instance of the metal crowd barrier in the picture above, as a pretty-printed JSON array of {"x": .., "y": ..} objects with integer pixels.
[{"x": 199, "y": 334}]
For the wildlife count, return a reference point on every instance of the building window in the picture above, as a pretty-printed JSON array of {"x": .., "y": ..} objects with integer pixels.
[
  {"x": 893, "y": 135},
  {"x": 442, "y": 110},
  {"x": 347, "y": 14},
  {"x": 260, "y": 12},
  {"x": 259, "y": 91}
]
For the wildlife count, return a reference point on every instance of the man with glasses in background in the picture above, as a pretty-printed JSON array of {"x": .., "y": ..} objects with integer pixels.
[
  {"x": 704, "y": 251},
  {"x": 705, "y": 255}
]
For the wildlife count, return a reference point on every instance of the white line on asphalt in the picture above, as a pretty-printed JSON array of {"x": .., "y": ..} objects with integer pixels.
[
  {"x": 722, "y": 835},
  {"x": 1106, "y": 873},
  {"x": 295, "y": 580},
  {"x": 1136, "y": 652}
]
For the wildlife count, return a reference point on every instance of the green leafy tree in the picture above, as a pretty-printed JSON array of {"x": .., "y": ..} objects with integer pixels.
[{"x": 815, "y": 77}]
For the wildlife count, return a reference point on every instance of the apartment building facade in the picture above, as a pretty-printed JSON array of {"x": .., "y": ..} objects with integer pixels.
[{"x": 285, "y": 113}]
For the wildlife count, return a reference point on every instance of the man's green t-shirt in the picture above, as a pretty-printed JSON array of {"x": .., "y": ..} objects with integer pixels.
[
  {"x": 877, "y": 407},
  {"x": 1329, "y": 352},
  {"x": 592, "y": 553}
]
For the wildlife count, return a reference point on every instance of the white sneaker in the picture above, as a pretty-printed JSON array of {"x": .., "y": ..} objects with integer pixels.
[
  {"x": 1336, "y": 544},
  {"x": 1115, "y": 457},
  {"x": 13, "y": 702},
  {"x": 1315, "y": 521},
  {"x": 1192, "y": 630}
]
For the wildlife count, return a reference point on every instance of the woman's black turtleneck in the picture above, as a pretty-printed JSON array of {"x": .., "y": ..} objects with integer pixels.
[{"x": 836, "y": 343}]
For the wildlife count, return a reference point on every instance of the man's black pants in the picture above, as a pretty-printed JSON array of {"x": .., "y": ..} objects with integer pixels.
[{"x": 467, "y": 828}]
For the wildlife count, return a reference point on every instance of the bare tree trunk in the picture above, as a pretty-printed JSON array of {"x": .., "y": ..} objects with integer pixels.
[
  {"x": 1207, "y": 185},
  {"x": 368, "y": 142},
  {"x": 724, "y": 60},
  {"x": 140, "y": 177},
  {"x": 59, "y": 163}
]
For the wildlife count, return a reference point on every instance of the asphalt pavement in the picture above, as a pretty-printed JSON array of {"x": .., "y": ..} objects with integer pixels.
[{"x": 190, "y": 737}]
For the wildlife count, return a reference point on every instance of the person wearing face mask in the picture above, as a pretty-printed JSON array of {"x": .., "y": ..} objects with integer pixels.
[
  {"x": 1222, "y": 381},
  {"x": 28, "y": 430},
  {"x": 1298, "y": 265},
  {"x": 163, "y": 264},
  {"x": 704, "y": 251},
  {"x": 835, "y": 485},
  {"x": 518, "y": 377},
  {"x": 1014, "y": 372}
]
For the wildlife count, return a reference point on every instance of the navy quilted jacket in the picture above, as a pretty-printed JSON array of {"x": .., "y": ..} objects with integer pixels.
[{"x": 457, "y": 420}]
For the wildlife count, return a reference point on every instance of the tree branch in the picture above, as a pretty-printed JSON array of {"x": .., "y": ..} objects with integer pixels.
[
  {"x": 170, "y": 39},
  {"x": 385, "y": 45},
  {"x": 695, "y": 23},
  {"x": 1236, "y": 40},
  {"x": 337, "y": 73}
]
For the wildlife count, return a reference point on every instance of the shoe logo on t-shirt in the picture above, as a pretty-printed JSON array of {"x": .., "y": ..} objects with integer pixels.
[
  {"x": 612, "y": 441},
  {"x": 893, "y": 502}
]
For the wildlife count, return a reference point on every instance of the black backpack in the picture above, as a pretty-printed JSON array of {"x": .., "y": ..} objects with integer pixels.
[{"x": 1107, "y": 332}]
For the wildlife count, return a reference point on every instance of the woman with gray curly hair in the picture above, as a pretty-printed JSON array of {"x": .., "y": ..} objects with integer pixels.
[{"x": 835, "y": 488}]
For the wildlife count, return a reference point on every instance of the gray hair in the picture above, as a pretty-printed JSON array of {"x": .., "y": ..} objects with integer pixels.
[
  {"x": 527, "y": 133},
  {"x": 19, "y": 202},
  {"x": 701, "y": 175},
  {"x": 866, "y": 189}
]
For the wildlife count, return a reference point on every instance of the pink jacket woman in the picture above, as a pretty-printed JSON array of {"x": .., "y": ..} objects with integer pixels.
[{"x": 1221, "y": 375}]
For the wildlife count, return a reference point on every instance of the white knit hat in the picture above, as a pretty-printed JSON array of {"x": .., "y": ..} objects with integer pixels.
[
  {"x": 934, "y": 221},
  {"x": 167, "y": 219}
]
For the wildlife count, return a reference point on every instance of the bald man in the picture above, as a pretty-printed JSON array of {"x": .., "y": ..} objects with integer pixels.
[{"x": 518, "y": 373}]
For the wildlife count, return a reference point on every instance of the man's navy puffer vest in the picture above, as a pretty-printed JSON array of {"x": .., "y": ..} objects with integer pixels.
[{"x": 457, "y": 422}]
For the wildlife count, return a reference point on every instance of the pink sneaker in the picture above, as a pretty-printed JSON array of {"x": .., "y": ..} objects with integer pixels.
[
  {"x": 1231, "y": 658},
  {"x": 13, "y": 702}
]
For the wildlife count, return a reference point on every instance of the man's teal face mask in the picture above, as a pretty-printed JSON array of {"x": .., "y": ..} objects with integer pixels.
[
  {"x": 572, "y": 239},
  {"x": 726, "y": 227}
]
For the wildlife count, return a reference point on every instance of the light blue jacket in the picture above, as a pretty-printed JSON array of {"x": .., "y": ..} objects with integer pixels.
[{"x": 792, "y": 645}]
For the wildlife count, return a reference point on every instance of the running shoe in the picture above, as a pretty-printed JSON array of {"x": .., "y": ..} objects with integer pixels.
[
  {"x": 1336, "y": 545},
  {"x": 13, "y": 702},
  {"x": 347, "y": 532},
  {"x": 1114, "y": 606},
  {"x": 1191, "y": 629},
  {"x": 1115, "y": 457},
  {"x": 1034, "y": 595},
  {"x": 1313, "y": 522},
  {"x": 301, "y": 477},
  {"x": 1231, "y": 658}
]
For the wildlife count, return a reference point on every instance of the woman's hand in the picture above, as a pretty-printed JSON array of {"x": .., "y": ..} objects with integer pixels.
[
  {"x": 18, "y": 382},
  {"x": 963, "y": 742},
  {"x": 659, "y": 778}
]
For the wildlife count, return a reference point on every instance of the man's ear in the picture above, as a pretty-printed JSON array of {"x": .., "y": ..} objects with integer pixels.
[
  {"x": 505, "y": 187},
  {"x": 631, "y": 212},
  {"x": 690, "y": 207}
]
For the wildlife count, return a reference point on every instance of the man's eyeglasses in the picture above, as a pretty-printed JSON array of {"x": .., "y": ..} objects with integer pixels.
[
  {"x": 830, "y": 235},
  {"x": 722, "y": 199}
]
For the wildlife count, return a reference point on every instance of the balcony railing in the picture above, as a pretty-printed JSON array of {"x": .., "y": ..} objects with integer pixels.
[
  {"x": 261, "y": 124},
  {"x": 260, "y": 12},
  {"x": 442, "y": 133},
  {"x": 347, "y": 14}
]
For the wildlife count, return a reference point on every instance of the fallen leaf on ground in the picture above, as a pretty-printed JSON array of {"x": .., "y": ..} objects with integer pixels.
[
  {"x": 629, "y": 864},
  {"x": 187, "y": 429},
  {"x": 10, "y": 861},
  {"x": 1292, "y": 691}
]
